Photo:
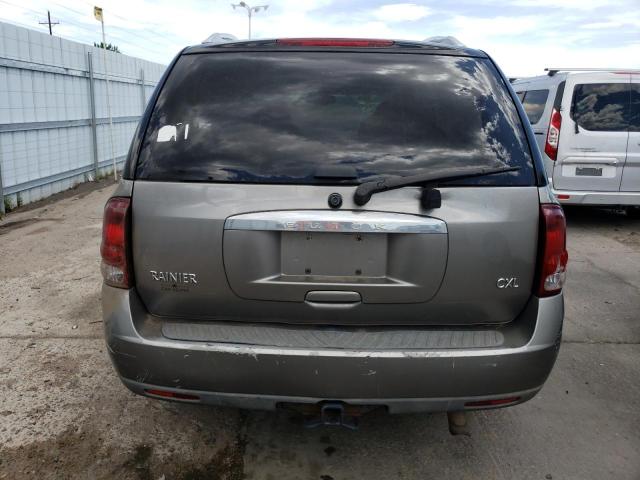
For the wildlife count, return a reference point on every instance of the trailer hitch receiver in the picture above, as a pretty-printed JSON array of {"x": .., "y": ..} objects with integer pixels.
[{"x": 335, "y": 414}]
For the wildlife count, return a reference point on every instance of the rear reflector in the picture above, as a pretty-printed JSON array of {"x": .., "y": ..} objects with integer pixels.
[
  {"x": 553, "y": 135},
  {"x": 115, "y": 233},
  {"x": 170, "y": 394},
  {"x": 334, "y": 42},
  {"x": 492, "y": 403},
  {"x": 564, "y": 197},
  {"x": 552, "y": 254}
]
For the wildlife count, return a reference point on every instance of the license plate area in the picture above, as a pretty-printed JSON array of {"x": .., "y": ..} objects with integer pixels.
[
  {"x": 588, "y": 171},
  {"x": 383, "y": 257},
  {"x": 356, "y": 255}
]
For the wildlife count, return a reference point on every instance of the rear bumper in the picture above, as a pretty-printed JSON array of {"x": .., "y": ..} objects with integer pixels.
[
  {"x": 571, "y": 197},
  {"x": 261, "y": 376}
]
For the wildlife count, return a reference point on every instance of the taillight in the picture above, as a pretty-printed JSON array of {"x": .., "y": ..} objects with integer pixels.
[
  {"x": 552, "y": 255},
  {"x": 334, "y": 42},
  {"x": 115, "y": 232},
  {"x": 553, "y": 135}
]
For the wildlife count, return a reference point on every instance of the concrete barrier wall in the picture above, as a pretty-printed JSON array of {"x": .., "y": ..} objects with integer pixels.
[{"x": 51, "y": 137}]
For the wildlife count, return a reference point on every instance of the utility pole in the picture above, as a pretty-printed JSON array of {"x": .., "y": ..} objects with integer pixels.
[
  {"x": 250, "y": 11},
  {"x": 49, "y": 22}
]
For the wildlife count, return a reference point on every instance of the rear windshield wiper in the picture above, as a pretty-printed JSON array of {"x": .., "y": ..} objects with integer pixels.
[{"x": 366, "y": 189}]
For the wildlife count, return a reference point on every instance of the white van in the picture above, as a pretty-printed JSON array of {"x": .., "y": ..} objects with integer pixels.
[{"x": 587, "y": 125}]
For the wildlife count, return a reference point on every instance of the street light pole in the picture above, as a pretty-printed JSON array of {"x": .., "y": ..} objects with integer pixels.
[
  {"x": 97, "y": 12},
  {"x": 250, "y": 11}
]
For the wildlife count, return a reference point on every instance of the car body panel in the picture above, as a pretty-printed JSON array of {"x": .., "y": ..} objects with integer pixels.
[
  {"x": 603, "y": 151},
  {"x": 631, "y": 174},
  {"x": 492, "y": 234},
  {"x": 261, "y": 376},
  {"x": 541, "y": 126}
]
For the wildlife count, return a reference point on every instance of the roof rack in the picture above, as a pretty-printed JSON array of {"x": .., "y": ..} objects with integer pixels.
[
  {"x": 218, "y": 38},
  {"x": 551, "y": 71},
  {"x": 445, "y": 40}
]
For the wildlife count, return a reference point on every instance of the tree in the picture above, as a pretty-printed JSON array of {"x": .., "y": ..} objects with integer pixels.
[{"x": 107, "y": 46}]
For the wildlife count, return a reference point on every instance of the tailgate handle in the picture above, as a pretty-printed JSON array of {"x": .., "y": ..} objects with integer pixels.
[{"x": 333, "y": 296}]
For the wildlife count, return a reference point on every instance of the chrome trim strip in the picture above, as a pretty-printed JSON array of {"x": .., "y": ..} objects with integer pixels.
[{"x": 346, "y": 221}]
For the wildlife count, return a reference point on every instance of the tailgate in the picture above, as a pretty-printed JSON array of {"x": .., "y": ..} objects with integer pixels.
[
  {"x": 231, "y": 219},
  {"x": 199, "y": 253}
]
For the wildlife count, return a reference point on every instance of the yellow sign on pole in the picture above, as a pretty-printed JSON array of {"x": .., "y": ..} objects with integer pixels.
[{"x": 97, "y": 12}]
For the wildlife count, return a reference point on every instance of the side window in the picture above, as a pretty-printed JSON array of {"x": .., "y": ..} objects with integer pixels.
[
  {"x": 634, "y": 113},
  {"x": 534, "y": 102},
  {"x": 520, "y": 95},
  {"x": 601, "y": 107}
]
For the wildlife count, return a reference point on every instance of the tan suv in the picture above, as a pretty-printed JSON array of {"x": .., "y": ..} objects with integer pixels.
[{"x": 334, "y": 225}]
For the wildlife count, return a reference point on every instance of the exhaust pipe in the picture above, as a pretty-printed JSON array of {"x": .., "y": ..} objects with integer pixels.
[{"x": 458, "y": 423}]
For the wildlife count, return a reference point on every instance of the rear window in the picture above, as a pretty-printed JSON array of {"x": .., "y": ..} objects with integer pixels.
[
  {"x": 277, "y": 117},
  {"x": 533, "y": 103},
  {"x": 601, "y": 107}
]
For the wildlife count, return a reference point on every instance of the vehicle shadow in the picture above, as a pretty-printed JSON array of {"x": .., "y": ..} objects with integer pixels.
[
  {"x": 546, "y": 437},
  {"x": 278, "y": 445},
  {"x": 600, "y": 217}
]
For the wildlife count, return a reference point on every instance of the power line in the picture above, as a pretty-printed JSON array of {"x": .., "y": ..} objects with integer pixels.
[
  {"x": 146, "y": 23},
  {"x": 83, "y": 27},
  {"x": 87, "y": 38},
  {"x": 30, "y": 27},
  {"x": 22, "y": 25},
  {"x": 83, "y": 14},
  {"x": 119, "y": 16}
]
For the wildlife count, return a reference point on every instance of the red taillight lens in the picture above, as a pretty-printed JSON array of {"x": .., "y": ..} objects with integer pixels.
[
  {"x": 553, "y": 135},
  {"x": 552, "y": 256},
  {"x": 334, "y": 42},
  {"x": 115, "y": 232}
]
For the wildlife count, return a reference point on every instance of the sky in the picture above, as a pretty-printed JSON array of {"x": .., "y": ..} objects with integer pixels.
[{"x": 523, "y": 36}]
